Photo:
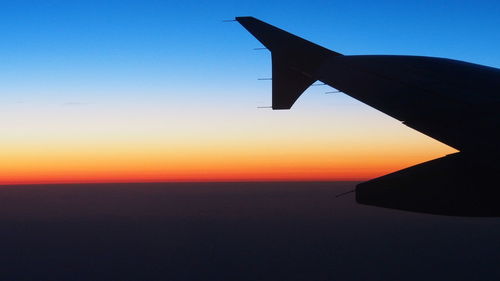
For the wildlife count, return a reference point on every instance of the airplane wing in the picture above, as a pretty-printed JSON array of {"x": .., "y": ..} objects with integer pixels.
[{"x": 451, "y": 101}]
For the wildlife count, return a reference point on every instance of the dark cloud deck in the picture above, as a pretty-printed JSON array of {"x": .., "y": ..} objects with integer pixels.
[{"x": 232, "y": 231}]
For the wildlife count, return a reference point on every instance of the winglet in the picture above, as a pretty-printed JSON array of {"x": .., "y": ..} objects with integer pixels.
[{"x": 294, "y": 60}]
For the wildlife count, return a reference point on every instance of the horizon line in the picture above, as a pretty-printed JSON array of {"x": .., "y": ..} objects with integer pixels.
[{"x": 175, "y": 182}]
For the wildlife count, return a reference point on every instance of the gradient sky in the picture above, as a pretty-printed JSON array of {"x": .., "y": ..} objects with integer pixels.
[{"x": 95, "y": 91}]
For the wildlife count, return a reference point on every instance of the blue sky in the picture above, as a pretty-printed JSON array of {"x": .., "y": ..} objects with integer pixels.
[{"x": 72, "y": 49}]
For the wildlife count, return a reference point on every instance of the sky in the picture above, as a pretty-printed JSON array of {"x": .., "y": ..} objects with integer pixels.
[{"x": 134, "y": 91}]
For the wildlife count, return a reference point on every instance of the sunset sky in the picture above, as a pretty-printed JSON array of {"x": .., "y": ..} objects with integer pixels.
[{"x": 133, "y": 91}]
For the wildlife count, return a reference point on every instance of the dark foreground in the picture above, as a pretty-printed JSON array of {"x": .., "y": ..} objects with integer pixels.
[{"x": 232, "y": 231}]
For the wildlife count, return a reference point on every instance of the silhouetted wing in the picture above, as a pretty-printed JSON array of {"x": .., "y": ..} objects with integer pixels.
[{"x": 454, "y": 102}]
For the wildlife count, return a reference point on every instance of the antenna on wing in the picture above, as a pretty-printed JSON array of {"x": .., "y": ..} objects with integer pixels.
[
  {"x": 344, "y": 193},
  {"x": 333, "y": 92}
]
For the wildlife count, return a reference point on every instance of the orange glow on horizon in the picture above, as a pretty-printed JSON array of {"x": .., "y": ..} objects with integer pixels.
[
  {"x": 101, "y": 145},
  {"x": 217, "y": 163}
]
